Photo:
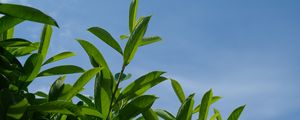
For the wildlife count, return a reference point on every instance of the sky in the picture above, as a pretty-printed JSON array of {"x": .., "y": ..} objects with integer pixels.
[{"x": 247, "y": 51}]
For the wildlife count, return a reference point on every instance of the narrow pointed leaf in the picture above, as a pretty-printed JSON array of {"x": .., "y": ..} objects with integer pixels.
[
  {"x": 142, "y": 84},
  {"x": 149, "y": 40},
  {"x": 32, "y": 66},
  {"x": 7, "y": 22},
  {"x": 25, "y": 50},
  {"x": 106, "y": 37},
  {"x": 122, "y": 37},
  {"x": 56, "y": 88},
  {"x": 178, "y": 90},
  {"x": 26, "y": 13},
  {"x": 41, "y": 94},
  {"x": 204, "y": 106},
  {"x": 186, "y": 109},
  {"x": 236, "y": 113},
  {"x": 135, "y": 39},
  {"x": 132, "y": 14},
  {"x": 61, "y": 70},
  {"x": 165, "y": 114},
  {"x": 150, "y": 115},
  {"x": 45, "y": 40},
  {"x": 219, "y": 117},
  {"x": 136, "y": 106},
  {"x": 17, "y": 110},
  {"x": 59, "y": 56},
  {"x": 15, "y": 42},
  {"x": 213, "y": 100},
  {"x": 87, "y": 100},
  {"x": 214, "y": 117}
]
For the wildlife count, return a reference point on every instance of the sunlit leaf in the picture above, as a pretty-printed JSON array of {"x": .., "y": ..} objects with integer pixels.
[
  {"x": 25, "y": 50},
  {"x": 186, "y": 109},
  {"x": 59, "y": 56},
  {"x": 45, "y": 40},
  {"x": 132, "y": 14},
  {"x": 236, "y": 113},
  {"x": 214, "y": 117},
  {"x": 56, "y": 88},
  {"x": 26, "y": 13},
  {"x": 213, "y": 100},
  {"x": 150, "y": 40},
  {"x": 219, "y": 117},
  {"x": 204, "y": 106},
  {"x": 165, "y": 114},
  {"x": 122, "y": 37},
  {"x": 7, "y": 22},
  {"x": 61, "y": 70},
  {"x": 150, "y": 115},
  {"x": 17, "y": 110},
  {"x": 85, "y": 99},
  {"x": 178, "y": 90},
  {"x": 32, "y": 66}
]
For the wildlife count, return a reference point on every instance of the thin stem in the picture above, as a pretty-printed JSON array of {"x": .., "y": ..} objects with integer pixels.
[{"x": 115, "y": 91}]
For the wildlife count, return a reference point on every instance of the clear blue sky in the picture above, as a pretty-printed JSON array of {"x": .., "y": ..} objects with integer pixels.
[{"x": 245, "y": 50}]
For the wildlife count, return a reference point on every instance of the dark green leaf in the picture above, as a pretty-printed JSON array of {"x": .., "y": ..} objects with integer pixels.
[
  {"x": 136, "y": 106},
  {"x": 135, "y": 40},
  {"x": 25, "y": 50},
  {"x": 150, "y": 40},
  {"x": 150, "y": 115},
  {"x": 32, "y": 66},
  {"x": 186, "y": 109},
  {"x": 41, "y": 94},
  {"x": 59, "y": 56},
  {"x": 132, "y": 14},
  {"x": 15, "y": 42},
  {"x": 61, "y": 70},
  {"x": 165, "y": 114},
  {"x": 106, "y": 37},
  {"x": 56, "y": 88},
  {"x": 204, "y": 106},
  {"x": 178, "y": 90},
  {"x": 26, "y": 13},
  {"x": 236, "y": 113},
  {"x": 7, "y": 22},
  {"x": 17, "y": 110}
]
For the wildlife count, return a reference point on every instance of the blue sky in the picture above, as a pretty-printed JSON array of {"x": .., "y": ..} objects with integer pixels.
[{"x": 245, "y": 50}]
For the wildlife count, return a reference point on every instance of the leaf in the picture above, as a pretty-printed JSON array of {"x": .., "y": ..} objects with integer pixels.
[
  {"x": 150, "y": 115},
  {"x": 136, "y": 106},
  {"x": 165, "y": 114},
  {"x": 178, "y": 90},
  {"x": 26, "y": 13},
  {"x": 56, "y": 88},
  {"x": 219, "y": 117},
  {"x": 45, "y": 40},
  {"x": 132, "y": 15},
  {"x": 134, "y": 40},
  {"x": 41, "y": 94},
  {"x": 186, "y": 109},
  {"x": 81, "y": 82},
  {"x": 213, "y": 100},
  {"x": 150, "y": 40},
  {"x": 123, "y": 77},
  {"x": 91, "y": 112},
  {"x": 215, "y": 116},
  {"x": 15, "y": 42},
  {"x": 85, "y": 99},
  {"x": 59, "y": 56},
  {"x": 142, "y": 84},
  {"x": 7, "y": 22},
  {"x": 106, "y": 37},
  {"x": 17, "y": 110},
  {"x": 32, "y": 66},
  {"x": 204, "y": 106},
  {"x": 122, "y": 37},
  {"x": 61, "y": 70},
  {"x": 26, "y": 50},
  {"x": 236, "y": 113}
]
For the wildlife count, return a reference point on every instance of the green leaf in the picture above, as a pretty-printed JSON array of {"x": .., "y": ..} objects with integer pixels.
[
  {"x": 186, "y": 109},
  {"x": 15, "y": 42},
  {"x": 236, "y": 113},
  {"x": 219, "y": 117},
  {"x": 204, "y": 106},
  {"x": 59, "y": 56},
  {"x": 61, "y": 70},
  {"x": 81, "y": 82},
  {"x": 136, "y": 106},
  {"x": 17, "y": 110},
  {"x": 87, "y": 100},
  {"x": 7, "y": 22},
  {"x": 165, "y": 114},
  {"x": 142, "y": 84},
  {"x": 213, "y": 100},
  {"x": 178, "y": 90},
  {"x": 135, "y": 39},
  {"x": 45, "y": 40},
  {"x": 214, "y": 117},
  {"x": 26, "y": 13},
  {"x": 150, "y": 40},
  {"x": 56, "y": 88},
  {"x": 106, "y": 37},
  {"x": 41, "y": 94},
  {"x": 122, "y": 37},
  {"x": 91, "y": 112},
  {"x": 132, "y": 15},
  {"x": 150, "y": 115},
  {"x": 123, "y": 77},
  {"x": 32, "y": 66}
]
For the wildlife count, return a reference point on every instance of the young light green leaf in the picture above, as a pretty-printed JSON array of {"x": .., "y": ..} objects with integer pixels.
[
  {"x": 32, "y": 66},
  {"x": 132, "y": 14},
  {"x": 186, "y": 109},
  {"x": 204, "y": 106},
  {"x": 142, "y": 84},
  {"x": 26, "y": 13},
  {"x": 150, "y": 115},
  {"x": 59, "y": 56},
  {"x": 136, "y": 106},
  {"x": 219, "y": 117},
  {"x": 165, "y": 114},
  {"x": 149, "y": 40},
  {"x": 45, "y": 40},
  {"x": 213, "y": 100},
  {"x": 61, "y": 70},
  {"x": 214, "y": 117},
  {"x": 134, "y": 40},
  {"x": 17, "y": 110},
  {"x": 56, "y": 88},
  {"x": 178, "y": 90},
  {"x": 236, "y": 113},
  {"x": 106, "y": 37},
  {"x": 15, "y": 42},
  {"x": 85, "y": 99},
  {"x": 7, "y": 22},
  {"x": 122, "y": 37}
]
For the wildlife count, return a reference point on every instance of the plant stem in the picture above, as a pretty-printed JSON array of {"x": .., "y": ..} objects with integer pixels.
[{"x": 115, "y": 91}]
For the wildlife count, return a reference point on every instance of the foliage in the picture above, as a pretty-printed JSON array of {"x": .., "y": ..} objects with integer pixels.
[{"x": 110, "y": 101}]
